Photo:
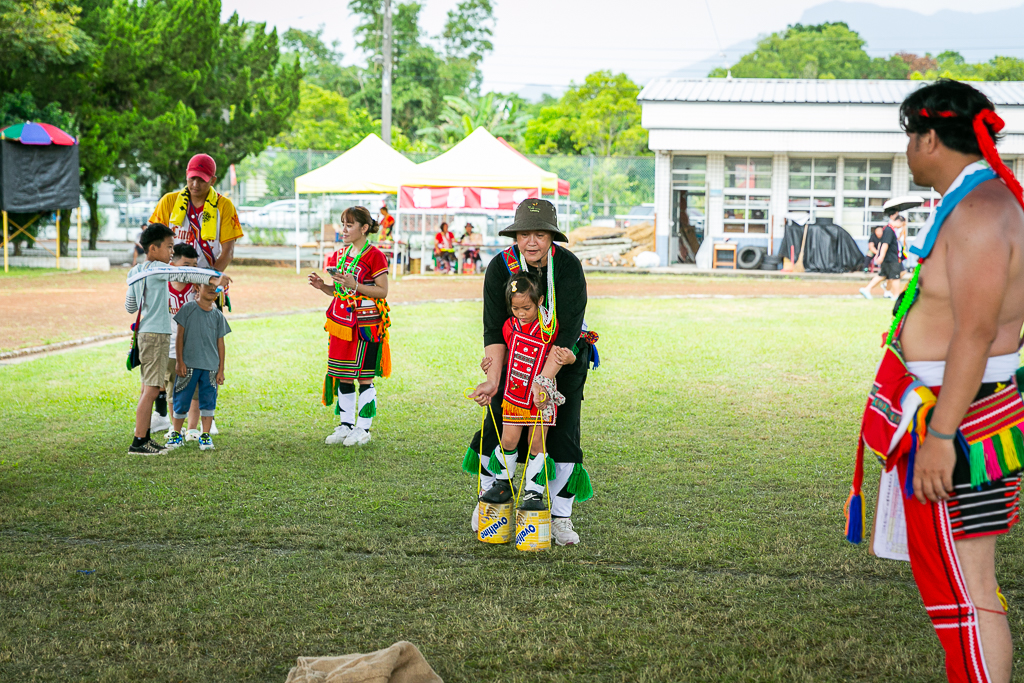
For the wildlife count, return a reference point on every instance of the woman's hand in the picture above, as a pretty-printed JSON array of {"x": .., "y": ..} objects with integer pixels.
[
  {"x": 346, "y": 280},
  {"x": 484, "y": 392},
  {"x": 485, "y": 364},
  {"x": 315, "y": 281},
  {"x": 563, "y": 356}
]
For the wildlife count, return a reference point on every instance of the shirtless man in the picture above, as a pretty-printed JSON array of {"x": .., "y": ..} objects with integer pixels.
[{"x": 961, "y": 339}]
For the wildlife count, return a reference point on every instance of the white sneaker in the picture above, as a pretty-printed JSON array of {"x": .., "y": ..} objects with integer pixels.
[
  {"x": 339, "y": 435},
  {"x": 192, "y": 435},
  {"x": 562, "y": 531},
  {"x": 358, "y": 437},
  {"x": 159, "y": 422},
  {"x": 886, "y": 294},
  {"x": 865, "y": 293},
  {"x": 474, "y": 521},
  {"x": 213, "y": 428}
]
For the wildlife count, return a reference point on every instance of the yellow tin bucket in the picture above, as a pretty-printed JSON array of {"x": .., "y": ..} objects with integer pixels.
[
  {"x": 495, "y": 522},
  {"x": 533, "y": 530}
]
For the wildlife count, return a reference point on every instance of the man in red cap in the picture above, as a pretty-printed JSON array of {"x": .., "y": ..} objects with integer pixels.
[
  {"x": 201, "y": 216},
  {"x": 207, "y": 220}
]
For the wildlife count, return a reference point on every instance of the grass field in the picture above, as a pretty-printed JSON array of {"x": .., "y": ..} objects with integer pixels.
[{"x": 719, "y": 435}]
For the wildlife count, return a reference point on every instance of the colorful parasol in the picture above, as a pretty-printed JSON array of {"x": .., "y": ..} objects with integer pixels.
[{"x": 37, "y": 134}]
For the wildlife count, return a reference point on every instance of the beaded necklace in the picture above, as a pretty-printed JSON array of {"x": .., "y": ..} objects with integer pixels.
[
  {"x": 545, "y": 314},
  {"x": 351, "y": 268}
]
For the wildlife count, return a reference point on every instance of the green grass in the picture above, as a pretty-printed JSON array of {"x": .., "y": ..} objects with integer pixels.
[{"x": 719, "y": 435}]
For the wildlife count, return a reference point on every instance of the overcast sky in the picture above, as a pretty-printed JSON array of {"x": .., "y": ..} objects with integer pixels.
[{"x": 553, "y": 42}]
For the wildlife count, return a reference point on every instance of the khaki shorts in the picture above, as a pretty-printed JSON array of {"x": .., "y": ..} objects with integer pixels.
[{"x": 153, "y": 351}]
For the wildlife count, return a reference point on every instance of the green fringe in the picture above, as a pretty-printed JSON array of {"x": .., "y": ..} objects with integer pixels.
[
  {"x": 550, "y": 467},
  {"x": 471, "y": 461},
  {"x": 494, "y": 464},
  {"x": 369, "y": 410},
  {"x": 579, "y": 484},
  {"x": 979, "y": 475},
  {"x": 1018, "y": 443},
  {"x": 997, "y": 443}
]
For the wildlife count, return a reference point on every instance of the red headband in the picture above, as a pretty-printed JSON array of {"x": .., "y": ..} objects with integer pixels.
[{"x": 988, "y": 146}]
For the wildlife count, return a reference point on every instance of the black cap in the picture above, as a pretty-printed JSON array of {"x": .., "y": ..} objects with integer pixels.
[{"x": 535, "y": 214}]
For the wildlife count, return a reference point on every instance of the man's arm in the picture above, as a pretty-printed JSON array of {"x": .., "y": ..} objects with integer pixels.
[
  {"x": 227, "y": 254},
  {"x": 882, "y": 252},
  {"x": 977, "y": 267}
]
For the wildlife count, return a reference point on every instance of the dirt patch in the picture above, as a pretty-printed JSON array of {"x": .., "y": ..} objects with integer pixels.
[{"x": 45, "y": 307}]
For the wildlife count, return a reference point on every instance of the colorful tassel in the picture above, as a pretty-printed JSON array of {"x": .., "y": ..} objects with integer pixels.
[
  {"x": 509, "y": 409},
  {"x": 595, "y": 358},
  {"x": 369, "y": 410},
  {"x": 494, "y": 464},
  {"x": 549, "y": 466},
  {"x": 579, "y": 484},
  {"x": 998, "y": 444},
  {"x": 976, "y": 457},
  {"x": 855, "y": 520},
  {"x": 992, "y": 461},
  {"x": 908, "y": 485},
  {"x": 471, "y": 461},
  {"x": 337, "y": 330},
  {"x": 1018, "y": 447}
]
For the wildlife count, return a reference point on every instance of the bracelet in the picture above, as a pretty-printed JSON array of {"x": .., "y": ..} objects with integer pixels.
[{"x": 940, "y": 435}]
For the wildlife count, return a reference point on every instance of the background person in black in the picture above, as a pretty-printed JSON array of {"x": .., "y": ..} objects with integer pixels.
[
  {"x": 890, "y": 266},
  {"x": 535, "y": 229}
]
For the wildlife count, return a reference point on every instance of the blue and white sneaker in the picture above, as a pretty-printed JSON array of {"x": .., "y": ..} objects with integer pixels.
[
  {"x": 205, "y": 442},
  {"x": 192, "y": 435},
  {"x": 174, "y": 440}
]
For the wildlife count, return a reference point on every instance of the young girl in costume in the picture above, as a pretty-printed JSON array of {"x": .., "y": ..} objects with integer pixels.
[
  {"x": 529, "y": 339},
  {"x": 357, "y": 322}
]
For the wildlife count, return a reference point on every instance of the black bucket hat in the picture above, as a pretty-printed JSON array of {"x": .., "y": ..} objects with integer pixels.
[{"x": 536, "y": 214}]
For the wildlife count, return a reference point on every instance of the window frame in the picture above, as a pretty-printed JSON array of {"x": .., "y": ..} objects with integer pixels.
[{"x": 748, "y": 199}]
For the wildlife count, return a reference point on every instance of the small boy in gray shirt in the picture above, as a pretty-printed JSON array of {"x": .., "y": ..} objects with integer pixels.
[{"x": 200, "y": 362}]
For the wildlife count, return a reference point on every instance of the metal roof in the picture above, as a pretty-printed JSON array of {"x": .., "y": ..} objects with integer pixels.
[{"x": 816, "y": 91}]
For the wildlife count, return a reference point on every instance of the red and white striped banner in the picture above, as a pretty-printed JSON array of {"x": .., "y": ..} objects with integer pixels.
[{"x": 488, "y": 199}]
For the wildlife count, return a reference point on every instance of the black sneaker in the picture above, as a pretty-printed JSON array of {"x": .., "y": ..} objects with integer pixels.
[
  {"x": 500, "y": 493},
  {"x": 148, "y": 447},
  {"x": 532, "y": 500}
]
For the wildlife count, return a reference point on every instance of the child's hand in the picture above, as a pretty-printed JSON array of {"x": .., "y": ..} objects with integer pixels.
[
  {"x": 220, "y": 377},
  {"x": 563, "y": 356},
  {"x": 485, "y": 363},
  {"x": 222, "y": 281},
  {"x": 179, "y": 366}
]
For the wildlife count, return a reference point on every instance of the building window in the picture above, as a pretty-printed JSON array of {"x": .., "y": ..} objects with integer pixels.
[
  {"x": 867, "y": 184},
  {"x": 748, "y": 186},
  {"x": 812, "y": 186},
  {"x": 916, "y": 217},
  {"x": 688, "y": 172}
]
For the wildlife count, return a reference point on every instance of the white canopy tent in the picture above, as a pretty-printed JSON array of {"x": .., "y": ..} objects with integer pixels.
[
  {"x": 372, "y": 167},
  {"x": 480, "y": 174}
]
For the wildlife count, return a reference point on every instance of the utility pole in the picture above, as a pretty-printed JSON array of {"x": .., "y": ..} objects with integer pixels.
[{"x": 385, "y": 88}]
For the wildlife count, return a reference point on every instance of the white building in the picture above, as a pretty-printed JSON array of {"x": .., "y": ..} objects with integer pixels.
[{"x": 741, "y": 153}]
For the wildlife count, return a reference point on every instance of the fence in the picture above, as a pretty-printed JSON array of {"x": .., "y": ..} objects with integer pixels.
[{"x": 265, "y": 195}]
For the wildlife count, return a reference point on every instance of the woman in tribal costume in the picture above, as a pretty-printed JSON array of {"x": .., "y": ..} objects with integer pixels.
[
  {"x": 357, "y": 321},
  {"x": 565, "y": 291}
]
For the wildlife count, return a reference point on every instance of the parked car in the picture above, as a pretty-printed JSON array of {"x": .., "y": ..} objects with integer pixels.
[
  {"x": 281, "y": 214},
  {"x": 638, "y": 214}
]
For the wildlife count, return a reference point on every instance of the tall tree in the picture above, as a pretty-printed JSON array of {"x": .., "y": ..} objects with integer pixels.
[
  {"x": 500, "y": 114},
  {"x": 320, "y": 62},
  {"x": 600, "y": 116},
  {"x": 828, "y": 50},
  {"x": 324, "y": 120}
]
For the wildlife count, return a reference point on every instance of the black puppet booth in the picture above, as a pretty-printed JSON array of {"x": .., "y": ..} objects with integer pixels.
[{"x": 39, "y": 174}]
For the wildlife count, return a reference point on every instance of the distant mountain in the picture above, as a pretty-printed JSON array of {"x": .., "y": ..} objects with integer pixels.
[{"x": 978, "y": 37}]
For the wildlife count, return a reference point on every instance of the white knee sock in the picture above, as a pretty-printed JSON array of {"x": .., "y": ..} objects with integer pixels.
[
  {"x": 534, "y": 467},
  {"x": 561, "y": 507},
  {"x": 507, "y": 463},
  {"x": 367, "y": 406},
  {"x": 347, "y": 405}
]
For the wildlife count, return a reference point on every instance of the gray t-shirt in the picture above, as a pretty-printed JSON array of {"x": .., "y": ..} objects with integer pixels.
[{"x": 202, "y": 330}]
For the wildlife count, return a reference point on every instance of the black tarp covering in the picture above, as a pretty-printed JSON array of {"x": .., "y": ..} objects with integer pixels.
[
  {"x": 36, "y": 178},
  {"x": 829, "y": 248}
]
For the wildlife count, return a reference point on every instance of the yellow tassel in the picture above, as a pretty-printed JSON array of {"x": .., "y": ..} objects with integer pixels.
[
  {"x": 509, "y": 409},
  {"x": 339, "y": 331},
  {"x": 1010, "y": 454}
]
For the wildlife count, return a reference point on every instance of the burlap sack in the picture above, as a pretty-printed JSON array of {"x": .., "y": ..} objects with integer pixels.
[{"x": 400, "y": 663}]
